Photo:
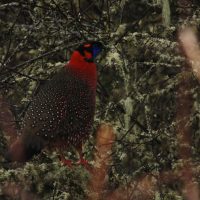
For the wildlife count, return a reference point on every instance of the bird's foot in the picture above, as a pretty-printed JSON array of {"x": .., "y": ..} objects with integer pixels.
[
  {"x": 85, "y": 164},
  {"x": 65, "y": 162}
]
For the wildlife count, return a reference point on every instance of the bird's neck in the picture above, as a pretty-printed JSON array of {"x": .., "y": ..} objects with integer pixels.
[{"x": 85, "y": 70}]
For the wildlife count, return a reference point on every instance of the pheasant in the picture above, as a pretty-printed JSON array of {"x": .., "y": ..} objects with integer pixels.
[{"x": 62, "y": 112}]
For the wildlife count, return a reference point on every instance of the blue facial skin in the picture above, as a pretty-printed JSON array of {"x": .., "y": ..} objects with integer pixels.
[{"x": 96, "y": 50}]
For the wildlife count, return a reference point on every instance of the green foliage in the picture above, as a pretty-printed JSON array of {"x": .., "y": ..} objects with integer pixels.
[
  {"x": 49, "y": 179},
  {"x": 139, "y": 74}
]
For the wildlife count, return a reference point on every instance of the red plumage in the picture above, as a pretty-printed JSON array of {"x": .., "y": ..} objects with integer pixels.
[
  {"x": 85, "y": 70},
  {"x": 63, "y": 110}
]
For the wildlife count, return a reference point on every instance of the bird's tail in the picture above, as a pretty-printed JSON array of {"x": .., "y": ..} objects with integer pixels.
[{"x": 24, "y": 148}]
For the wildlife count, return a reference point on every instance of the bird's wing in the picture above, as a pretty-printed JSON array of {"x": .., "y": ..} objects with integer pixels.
[{"x": 44, "y": 117}]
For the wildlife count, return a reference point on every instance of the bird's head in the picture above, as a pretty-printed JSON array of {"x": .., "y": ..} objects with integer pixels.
[
  {"x": 82, "y": 62},
  {"x": 90, "y": 50}
]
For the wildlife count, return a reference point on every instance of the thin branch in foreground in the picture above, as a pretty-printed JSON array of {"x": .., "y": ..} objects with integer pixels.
[
  {"x": 105, "y": 139},
  {"x": 190, "y": 46}
]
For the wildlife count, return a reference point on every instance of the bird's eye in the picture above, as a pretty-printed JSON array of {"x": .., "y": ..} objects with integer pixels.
[{"x": 87, "y": 45}]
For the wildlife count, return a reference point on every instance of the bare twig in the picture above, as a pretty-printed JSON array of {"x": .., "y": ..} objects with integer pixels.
[{"x": 3, "y": 6}]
